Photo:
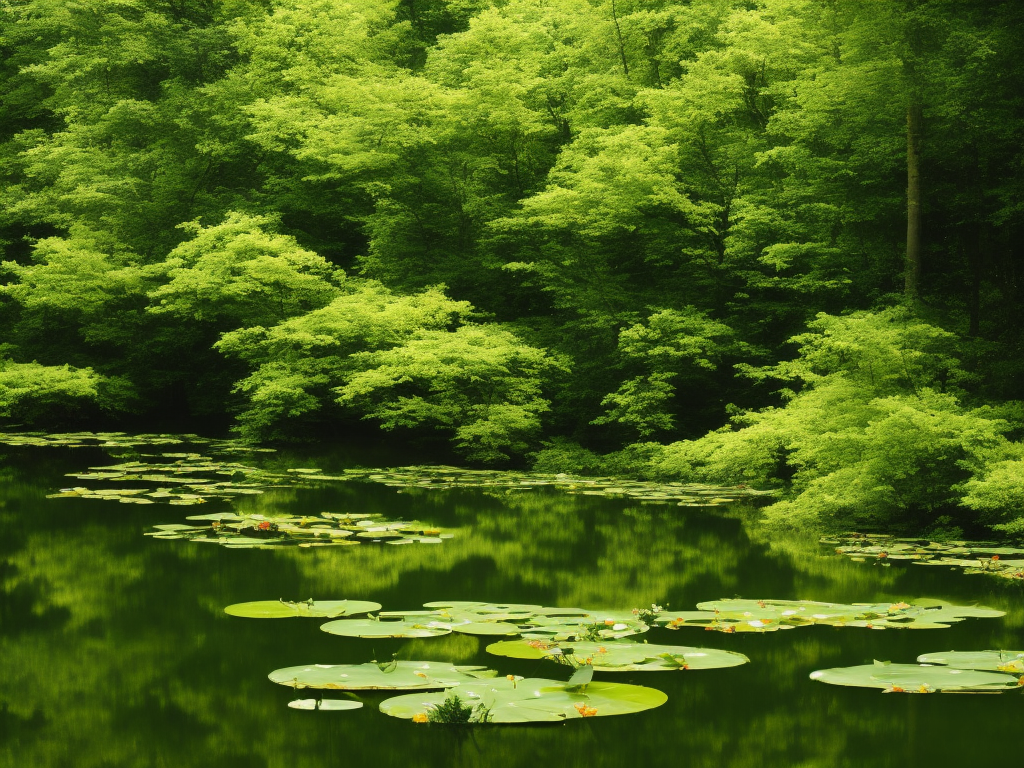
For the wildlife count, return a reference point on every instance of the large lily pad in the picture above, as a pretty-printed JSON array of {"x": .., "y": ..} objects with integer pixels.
[
  {"x": 916, "y": 678},
  {"x": 532, "y": 700},
  {"x": 620, "y": 656},
  {"x": 282, "y": 609},
  {"x": 1010, "y": 662},
  {"x": 386, "y": 628},
  {"x": 393, "y": 675}
]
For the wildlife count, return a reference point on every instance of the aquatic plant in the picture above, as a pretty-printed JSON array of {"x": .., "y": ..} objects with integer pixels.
[
  {"x": 917, "y": 678},
  {"x": 532, "y": 700},
  {"x": 282, "y": 609},
  {"x": 772, "y": 615},
  {"x": 395, "y": 675},
  {"x": 620, "y": 656},
  {"x": 330, "y": 529},
  {"x": 971, "y": 557}
]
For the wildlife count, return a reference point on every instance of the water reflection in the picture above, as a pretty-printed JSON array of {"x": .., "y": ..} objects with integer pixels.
[{"x": 115, "y": 650}]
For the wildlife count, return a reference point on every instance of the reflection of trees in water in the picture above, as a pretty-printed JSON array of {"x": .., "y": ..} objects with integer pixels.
[{"x": 115, "y": 651}]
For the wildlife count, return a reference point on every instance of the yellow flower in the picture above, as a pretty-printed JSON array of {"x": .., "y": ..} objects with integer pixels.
[
  {"x": 585, "y": 711},
  {"x": 419, "y": 717}
]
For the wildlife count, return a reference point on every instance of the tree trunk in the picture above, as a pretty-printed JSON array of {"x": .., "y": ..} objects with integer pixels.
[
  {"x": 618, "y": 34},
  {"x": 912, "y": 274}
]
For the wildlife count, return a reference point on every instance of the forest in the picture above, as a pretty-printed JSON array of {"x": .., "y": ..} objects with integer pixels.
[{"x": 774, "y": 243}]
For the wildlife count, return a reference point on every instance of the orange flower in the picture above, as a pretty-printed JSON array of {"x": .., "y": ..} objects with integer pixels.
[
  {"x": 602, "y": 649},
  {"x": 896, "y": 689},
  {"x": 882, "y": 554},
  {"x": 585, "y": 711},
  {"x": 609, "y": 622},
  {"x": 419, "y": 717},
  {"x": 730, "y": 628},
  {"x": 264, "y": 526},
  {"x": 995, "y": 557}
]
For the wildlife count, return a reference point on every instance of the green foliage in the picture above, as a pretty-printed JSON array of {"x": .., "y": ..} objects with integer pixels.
[
  {"x": 47, "y": 394},
  {"x": 869, "y": 438},
  {"x": 235, "y": 275},
  {"x": 998, "y": 493},
  {"x": 297, "y": 362},
  {"x": 248, "y": 208},
  {"x": 481, "y": 382},
  {"x": 671, "y": 345}
]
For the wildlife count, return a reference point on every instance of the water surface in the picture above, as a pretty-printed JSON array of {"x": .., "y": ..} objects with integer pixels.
[{"x": 115, "y": 651}]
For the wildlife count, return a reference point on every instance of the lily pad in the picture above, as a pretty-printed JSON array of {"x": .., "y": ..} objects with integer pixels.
[
  {"x": 395, "y": 675},
  {"x": 388, "y": 628},
  {"x": 1010, "y": 662},
  {"x": 916, "y": 678},
  {"x": 492, "y": 628},
  {"x": 620, "y": 656},
  {"x": 325, "y": 705},
  {"x": 281, "y": 609},
  {"x": 531, "y": 700}
]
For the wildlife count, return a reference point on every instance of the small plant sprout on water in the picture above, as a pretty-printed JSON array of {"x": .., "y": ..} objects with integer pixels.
[
  {"x": 648, "y": 615},
  {"x": 452, "y": 711}
]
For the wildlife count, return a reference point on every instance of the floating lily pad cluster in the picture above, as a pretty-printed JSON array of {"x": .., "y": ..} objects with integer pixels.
[
  {"x": 186, "y": 479},
  {"x": 124, "y": 440},
  {"x": 773, "y": 615},
  {"x": 330, "y": 529},
  {"x": 952, "y": 672},
  {"x": 535, "y": 622},
  {"x": 448, "y": 693},
  {"x": 440, "y": 477},
  {"x": 971, "y": 556}
]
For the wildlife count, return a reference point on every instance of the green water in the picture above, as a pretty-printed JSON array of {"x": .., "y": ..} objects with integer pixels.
[{"x": 115, "y": 651}]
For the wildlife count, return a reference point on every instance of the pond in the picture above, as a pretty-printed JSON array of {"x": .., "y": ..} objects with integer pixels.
[{"x": 116, "y": 650}]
